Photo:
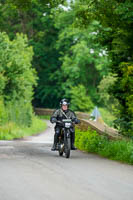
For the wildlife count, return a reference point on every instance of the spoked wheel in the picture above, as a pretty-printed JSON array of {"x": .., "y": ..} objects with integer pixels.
[{"x": 67, "y": 147}]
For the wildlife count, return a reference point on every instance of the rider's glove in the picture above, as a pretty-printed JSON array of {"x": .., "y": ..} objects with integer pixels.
[
  {"x": 76, "y": 121},
  {"x": 53, "y": 120}
]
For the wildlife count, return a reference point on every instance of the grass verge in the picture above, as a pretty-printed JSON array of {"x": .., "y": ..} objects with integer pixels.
[
  {"x": 107, "y": 116},
  {"x": 47, "y": 117},
  {"x": 12, "y": 131},
  {"x": 91, "y": 141}
]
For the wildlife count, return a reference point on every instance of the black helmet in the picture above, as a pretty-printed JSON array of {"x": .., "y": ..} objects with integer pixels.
[{"x": 64, "y": 102}]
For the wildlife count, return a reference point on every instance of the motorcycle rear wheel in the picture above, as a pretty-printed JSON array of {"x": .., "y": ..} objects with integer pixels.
[
  {"x": 60, "y": 153},
  {"x": 61, "y": 150}
]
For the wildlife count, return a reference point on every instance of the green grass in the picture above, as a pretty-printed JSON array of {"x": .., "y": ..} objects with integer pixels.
[
  {"x": 47, "y": 117},
  {"x": 90, "y": 141},
  {"x": 12, "y": 131},
  {"x": 107, "y": 116}
]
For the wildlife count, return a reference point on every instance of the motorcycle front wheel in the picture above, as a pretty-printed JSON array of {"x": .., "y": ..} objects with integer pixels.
[{"x": 67, "y": 147}]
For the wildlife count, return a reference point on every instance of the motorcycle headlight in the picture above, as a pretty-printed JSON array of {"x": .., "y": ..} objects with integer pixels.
[{"x": 67, "y": 125}]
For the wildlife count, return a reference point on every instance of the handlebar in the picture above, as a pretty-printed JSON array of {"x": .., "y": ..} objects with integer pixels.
[
  {"x": 75, "y": 121},
  {"x": 60, "y": 122}
]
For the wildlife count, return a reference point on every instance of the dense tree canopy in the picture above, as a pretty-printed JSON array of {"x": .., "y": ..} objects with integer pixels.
[
  {"x": 117, "y": 17},
  {"x": 64, "y": 56},
  {"x": 77, "y": 49}
]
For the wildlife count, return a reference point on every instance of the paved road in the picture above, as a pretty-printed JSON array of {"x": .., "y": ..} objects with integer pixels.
[{"x": 30, "y": 171}]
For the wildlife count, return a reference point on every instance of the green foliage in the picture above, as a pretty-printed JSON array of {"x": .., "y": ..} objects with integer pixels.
[
  {"x": 105, "y": 96},
  {"x": 27, "y": 4},
  {"x": 12, "y": 131},
  {"x": 116, "y": 18},
  {"x": 3, "y": 113},
  {"x": 79, "y": 99},
  {"x": 83, "y": 60},
  {"x": 64, "y": 55},
  {"x": 124, "y": 93},
  {"x": 107, "y": 116},
  {"x": 36, "y": 127},
  {"x": 47, "y": 117},
  {"x": 37, "y": 23},
  {"x": 46, "y": 58},
  {"x": 87, "y": 141},
  {"x": 19, "y": 112},
  {"x": 90, "y": 141},
  {"x": 18, "y": 76},
  {"x": 17, "y": 80}
]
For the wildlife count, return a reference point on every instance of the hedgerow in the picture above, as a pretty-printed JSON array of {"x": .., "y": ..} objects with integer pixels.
[
  {"x": 11, "y": 130},
  {"x": 91, "y": 141}
]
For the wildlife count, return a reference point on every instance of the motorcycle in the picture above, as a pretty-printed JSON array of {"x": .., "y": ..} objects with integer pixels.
[{"x": 64, "y": 142}]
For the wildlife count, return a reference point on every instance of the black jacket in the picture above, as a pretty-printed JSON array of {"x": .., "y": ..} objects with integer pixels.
[{"x": 59, "y": 114}]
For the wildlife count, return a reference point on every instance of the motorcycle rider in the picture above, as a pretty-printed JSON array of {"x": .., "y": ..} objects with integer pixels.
[{"x": 58, "y": 115}]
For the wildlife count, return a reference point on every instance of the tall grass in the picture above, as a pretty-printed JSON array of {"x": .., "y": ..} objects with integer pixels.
[
  {"x": 19, "y": 112},
  {"x": 47, "y": 117},
  {"x": 17, "y": 120},
  {"x": 107, "y": 116},
  {"x": 90, "y": 141},
  {"x": 11, "y": 130}
]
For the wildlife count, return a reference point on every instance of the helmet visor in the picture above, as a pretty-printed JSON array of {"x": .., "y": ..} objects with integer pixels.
[{"x": 64, "y": 103}]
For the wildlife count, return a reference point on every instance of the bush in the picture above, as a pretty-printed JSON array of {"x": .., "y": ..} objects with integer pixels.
[
  {"x": 47, "y": 117},
  {"x": 123, "y": 91},
  {"x": 19, "y": 112},
  {"x": 11, "y": 131},
  {"x": 106, "y": 98},
  {"x": 90, "y": 141},
  {"x": 107, "y": 116},
  {"x": 17, "y": 78},
  {"x": 3, "y": 113}
]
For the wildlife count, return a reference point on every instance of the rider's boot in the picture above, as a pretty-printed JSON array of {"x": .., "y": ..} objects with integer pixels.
[
  {"x": 72, "y": 141},
  {"x": 54, "y": 147},
  {"x": 73, "y": 147}
]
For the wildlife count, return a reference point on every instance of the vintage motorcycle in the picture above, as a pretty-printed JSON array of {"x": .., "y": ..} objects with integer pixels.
[{"x": 64, "y": 142}]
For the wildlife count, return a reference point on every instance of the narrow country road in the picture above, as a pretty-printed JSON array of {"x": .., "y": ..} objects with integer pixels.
[{"x": 29, "y": 170}]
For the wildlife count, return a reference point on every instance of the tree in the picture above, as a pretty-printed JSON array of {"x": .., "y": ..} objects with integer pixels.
[
  {"x": 64, "y": 55},
  {"x": 116, "y": 16},
  {"x": 106, "y": 97},
  {"x": 17, "y": 74},
  {"x": 84, "y": 61},
  {"x": 37, "y": 23},
  {"x": 27, "y": 4},
  {"x": 17, "y": 77},
  {"x": 79, "y": 100}
]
